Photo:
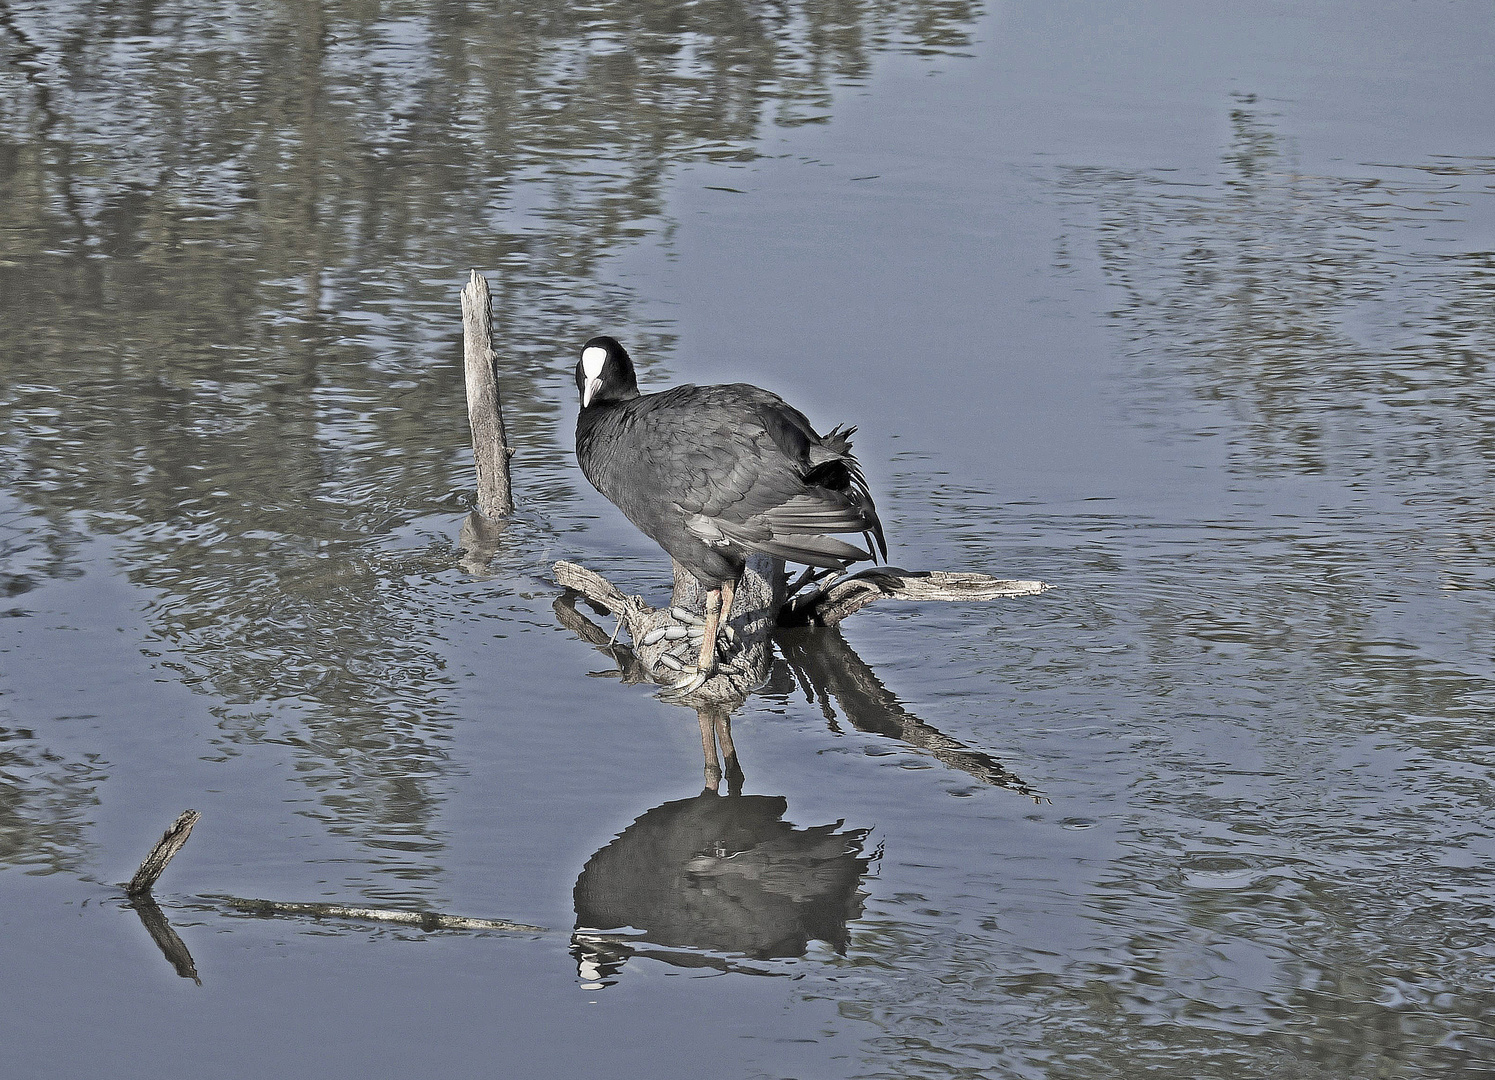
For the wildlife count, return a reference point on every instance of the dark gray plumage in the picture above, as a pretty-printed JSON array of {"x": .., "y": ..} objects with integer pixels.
[{"x": 715, "y": 473}]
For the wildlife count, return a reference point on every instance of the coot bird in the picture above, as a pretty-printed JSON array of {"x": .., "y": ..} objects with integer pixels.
[{"x": 716, "y": 473}]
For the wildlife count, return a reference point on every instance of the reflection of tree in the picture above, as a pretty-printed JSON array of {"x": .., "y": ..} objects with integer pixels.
[
  {"x": 44, "y": 799},
  {"x": 230, "y": 243},
  {"x": 1311, "y": 311},
  {"x": 1335, "y": 327},
  {"x": 723, "y": 874},
  {"x": 1324, "y": 327}
]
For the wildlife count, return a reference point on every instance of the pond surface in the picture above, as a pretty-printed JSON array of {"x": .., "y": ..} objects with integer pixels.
[{"x": 1188, "y": 311}]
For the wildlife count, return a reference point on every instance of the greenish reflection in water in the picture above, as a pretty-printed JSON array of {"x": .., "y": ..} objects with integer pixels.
[
  {"x": 232, "y": 237},
  {"x": 232, "y": 240}
]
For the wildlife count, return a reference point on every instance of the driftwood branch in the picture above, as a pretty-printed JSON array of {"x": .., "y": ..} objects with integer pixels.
[
  {"x": 490, "y": 447},
  {"x": 760, "y": 594},
  {"x": 762, "y": 605},
  {"x": 426, "y": 920},
  {"x": 166, "y": 848},
  {"x": 175, "y": 950},
  {"x": 846, "y": 596}
]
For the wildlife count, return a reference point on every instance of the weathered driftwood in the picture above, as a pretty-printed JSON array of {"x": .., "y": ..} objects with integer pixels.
[
  {"x": 760, "y": 595},
  {"x": 155, "y": 863},
  {"x": 490, "y": 447},
  {"x": 175, "y": 950},
  {"x": 846, "y": 596},
  {"x": 426, "y": 920},
  {"x": 762, "y": 604}
]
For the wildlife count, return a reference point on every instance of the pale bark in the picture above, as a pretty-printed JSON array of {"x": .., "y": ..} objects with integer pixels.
[{"x": 490, "y": 447}]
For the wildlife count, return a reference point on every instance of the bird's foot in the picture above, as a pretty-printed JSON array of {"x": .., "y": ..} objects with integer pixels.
[
  {"x": 691, "y": 680},
  {"x": 684, "y": 640},
  {"x": 692, "y": 677}
]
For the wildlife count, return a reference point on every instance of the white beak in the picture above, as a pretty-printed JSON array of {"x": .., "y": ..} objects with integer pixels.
[{"x": 588, "y": 391}]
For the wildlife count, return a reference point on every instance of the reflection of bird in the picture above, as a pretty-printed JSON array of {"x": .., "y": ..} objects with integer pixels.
[
  {"x": 724, "y": 874},
  {"x": 716, "y": 473}
]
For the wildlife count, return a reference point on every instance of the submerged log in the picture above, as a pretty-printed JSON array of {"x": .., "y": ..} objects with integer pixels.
[
  {"x": 426, "y": 920},
  {"x": 175, "y": 950}
]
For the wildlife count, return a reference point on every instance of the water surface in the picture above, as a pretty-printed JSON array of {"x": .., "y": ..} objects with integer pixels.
[{"x": 1186, "y": 311}]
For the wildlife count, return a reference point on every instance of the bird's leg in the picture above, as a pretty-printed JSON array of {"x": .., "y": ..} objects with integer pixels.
[
  {"x": 707, "y": 659},
  {"x": 701, "y": 632},
  {"x": 729, "y": 593},
  {"x": 694, "y": 678}
]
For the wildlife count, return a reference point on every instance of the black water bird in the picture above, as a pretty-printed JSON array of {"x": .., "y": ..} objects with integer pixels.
[{"x": 716, "y": 473}]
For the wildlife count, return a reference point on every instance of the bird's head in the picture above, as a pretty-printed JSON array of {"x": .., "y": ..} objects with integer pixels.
[{"x": 605, "y": 372}]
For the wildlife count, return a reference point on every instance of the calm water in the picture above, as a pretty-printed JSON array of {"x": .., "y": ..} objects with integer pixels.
[{"x": 1189, "y": 312}]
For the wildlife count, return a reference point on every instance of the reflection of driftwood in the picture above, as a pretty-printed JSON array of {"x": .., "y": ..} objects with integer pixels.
[
  {"x": 490, "y": 448},
  {"x": 166, "y": 939},
  {"x": 827, "y": 668},
  {"x": 426, "y": 920},
  {"x": 155, "y": 863},
  {"x": 718, "y": 873}
]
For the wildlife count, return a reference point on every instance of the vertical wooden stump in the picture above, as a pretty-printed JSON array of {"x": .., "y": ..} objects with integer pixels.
[
  {"x": 165, "y": 850},
  {"x": 490, "y": 447}
]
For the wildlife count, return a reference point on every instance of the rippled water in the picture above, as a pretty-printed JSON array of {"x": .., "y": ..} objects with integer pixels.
[{"x": 1188, "y": 312}]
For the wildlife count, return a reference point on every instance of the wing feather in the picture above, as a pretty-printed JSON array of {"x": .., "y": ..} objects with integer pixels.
[{"x": 746, "y": 470}]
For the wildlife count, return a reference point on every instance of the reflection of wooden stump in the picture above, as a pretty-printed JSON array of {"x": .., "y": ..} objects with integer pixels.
[
  {"x": 167, "y": 940},
  {"x": 723, "y": 874},
  {"x": 479, "y": 540}
]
